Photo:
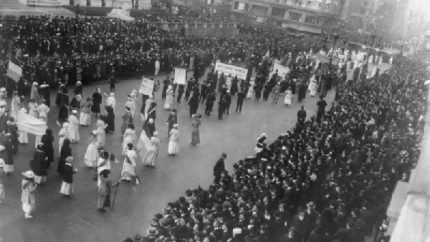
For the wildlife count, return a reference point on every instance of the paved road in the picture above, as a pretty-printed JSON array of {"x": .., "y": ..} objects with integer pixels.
[{"x": 76, "y": 219}]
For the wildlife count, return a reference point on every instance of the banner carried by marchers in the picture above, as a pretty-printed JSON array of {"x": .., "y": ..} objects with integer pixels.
[
  {"x": 147, "y": 86},
  {"x": 14, "y": 71},
  {"x": 231, "y": 70},
  {"x": 180, "y": 76}
]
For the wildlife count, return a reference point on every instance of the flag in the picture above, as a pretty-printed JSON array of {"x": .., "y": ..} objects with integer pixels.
[{"x": 14, "y": 71}]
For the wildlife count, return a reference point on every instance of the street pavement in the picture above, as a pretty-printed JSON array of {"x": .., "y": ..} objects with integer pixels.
[{"x": 76, "y": 219}]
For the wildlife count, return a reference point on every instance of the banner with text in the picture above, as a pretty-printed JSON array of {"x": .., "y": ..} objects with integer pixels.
[
  {"x": 231, "y": 70},
  {"x": 180, "y": 76},
  {"x": 147, "y": 86},
  {"x": 282, "y": 70}
]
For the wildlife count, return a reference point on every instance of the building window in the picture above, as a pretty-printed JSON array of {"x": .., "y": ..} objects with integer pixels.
[
  {"x": 278, "y": 12},
  {"x": 259, "y": 10},
  {"x": 312, "y": 19},
  {"x": 295, "y": 16}
]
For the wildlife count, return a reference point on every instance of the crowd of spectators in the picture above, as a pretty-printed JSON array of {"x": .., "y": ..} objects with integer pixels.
[
  {"x": 327, "y": 180},
  {"x": 65, "y": 50}
]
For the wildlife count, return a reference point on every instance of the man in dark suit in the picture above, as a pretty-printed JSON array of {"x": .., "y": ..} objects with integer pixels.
[
  {"x": 301, "y": 115},
  {"x": 219, "y": 167}
]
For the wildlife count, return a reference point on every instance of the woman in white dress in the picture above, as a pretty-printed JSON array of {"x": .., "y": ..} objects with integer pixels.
[
  {"x": 63, "y": 134},
  {"x": 74, "y": 127},
  {"x": 92, "y": 154},
  {"x": 129, "y": 163},
  {"x": 23, "y": 136},
  {"x": 250, "y": 93},
  {"x": 14, "y": 106},
  {"x": 32, "y": 107},
  {"x": 103, "y": 163},
  {"x": 101, "y": 134},
  {"x": 85, "y": 116},
  {"x": 173, "y": 147},
  {"x": 170, "y": 98},
  {"x": 129, "y": 137},
  {"x": 313, "y": 86},
  {"x": 288, "y": 97},
  {"x": 152, "y": 154}
]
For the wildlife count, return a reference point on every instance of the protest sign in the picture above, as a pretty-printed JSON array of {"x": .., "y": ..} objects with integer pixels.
[
  {"x": 180, "y": 76},
  {"x": 231, "y": 70},
  {"x": 147, "y": 86}
]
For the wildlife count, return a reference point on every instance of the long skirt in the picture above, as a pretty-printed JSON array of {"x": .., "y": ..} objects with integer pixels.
[
  {"x": 173, "y": 148},
  {"x": 28, "y": 207},
  {"x": 74, "y": 133},
  {"x": 2, "y": 193},
  {"x": 150, "y": 157},
  {"x": 168, "y": 104},
  {"x": 85, "y": 119},
  {"x": 103, "y": 201},
  {"x": 23, "y": 137},
  {"x": 66, "y": 188},
  {"x": 91, "y": 155},
  {"x": 37, "y": 140},
  {"x": 8, "y": 168},
  {"x": 195, "y": 137},
  {"x": 287, "y": 99},
  {"x": 127, "y": 171}
]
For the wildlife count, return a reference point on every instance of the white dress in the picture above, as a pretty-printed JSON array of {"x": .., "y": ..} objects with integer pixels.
[
  {"x": 129, "y": 138},
  {"x": 32, "y": 107},
  {"x": 92, "y": 154},
  {"x": 250, "y": 93},
  {"x": 173, "y": 147},
  {"x": 288, "y": 97},
  {"x": 143, "y": 144},
  {"x": 313, "y": 87},
  {"x": 23, "y": 136},
  {"x": 73, "y": 128},
  {"x": 168, "y": 104},
  {"x": 128, "y": 168},
  {"x": 14, "y": 107}
]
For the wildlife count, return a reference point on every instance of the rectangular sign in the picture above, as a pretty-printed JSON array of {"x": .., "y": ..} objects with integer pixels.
[
  {"x": 180, "y": 76},
  {"x": 231, "y": 70},
  {"x": 14, "y": 71},
  {"x": 147, "y": 86}
]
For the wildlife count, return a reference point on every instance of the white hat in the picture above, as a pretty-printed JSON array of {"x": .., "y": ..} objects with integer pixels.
[
  {"x": 35, "y": 84},
  {"x": 74, "y": 111},
  {"x": 28, "y": 174}
]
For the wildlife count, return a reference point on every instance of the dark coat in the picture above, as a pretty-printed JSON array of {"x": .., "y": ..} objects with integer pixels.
[
  {"x": 97, "y": 100},
  {"x": 38, "y": 164},
  {"x": 67, "y": 174}
]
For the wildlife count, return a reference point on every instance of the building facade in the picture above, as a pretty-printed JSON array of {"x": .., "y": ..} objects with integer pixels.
[{"x": 314, "y": 16}]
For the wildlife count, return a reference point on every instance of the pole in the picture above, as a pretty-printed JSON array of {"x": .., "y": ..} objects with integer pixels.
[{"x": 116, "y": 191}]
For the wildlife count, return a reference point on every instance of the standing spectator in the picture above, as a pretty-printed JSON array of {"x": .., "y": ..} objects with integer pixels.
[
  {"x": 219, "y": 167},
  {"x": 240, "y": 98},
  {"x": 301, "y": 115}
]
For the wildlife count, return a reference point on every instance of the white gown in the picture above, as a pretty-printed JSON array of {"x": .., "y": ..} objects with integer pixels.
[
  {"x": 92, "y": 154},
  {"x": 143, "y": 144},
  {"x": 173, "y": 147},
  {"x": 73, "y": 128},
  {"x": 288, "y": 97},
  {"x": 127, "y": 168}
]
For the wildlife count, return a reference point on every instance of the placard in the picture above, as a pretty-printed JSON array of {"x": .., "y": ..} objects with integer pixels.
[
  {"x": 180, "y": 76},
  {"x": 147, "y": 86},
  {"x": 282, "y": 70},
  {"x": 231, "y": 70}
]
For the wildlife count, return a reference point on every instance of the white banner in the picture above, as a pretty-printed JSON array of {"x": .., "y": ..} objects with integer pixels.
[
  {"x": 147, "y": 86},
  {"x": 14, "y": 71},
  {"x": 180, "y": 76},
  {"x": 282, "y": 70},
  {"x": 231, "y": 70},
  {"x": 30, "y": 124}
]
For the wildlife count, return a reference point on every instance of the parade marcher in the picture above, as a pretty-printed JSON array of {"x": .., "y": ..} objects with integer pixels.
[
  {"x": 65, "y": 152},
  {"x": 170, "y": 97},
  {"x": 92, "y": 154},
  {"x": 151, "y": 155},
  {"x": 39, "y": 165},
  {"x": 43, "y": 111},
  {"x": 32, "y": 108},
  {"x": 34, "y": 94},
  {"x": 110, "y": 120},
  {"x": 85, "y": 114},
  {"x": 73, "y": 127},
  {"x": 180, "y": 92},
  {"x": 276, "y": 92},
  {"x": 129, "y": 137},
  {"x": 67, "y": 187},
  {"x": 227, "y": 103},
  {"x": 76, "y": 102},
  {"x": 47, "y": 147},
  {"x": 111, "y": 101},
  {"x": 12, "y": 130},
  {"x": 127, "y": 119},
  {"x": 195, "y": 133},
  {"x": 104, "y": 191},
  {"x": 210, "y": 100},
  {"x": 15, "y": 105},
  {"x": 28, "y": 199},
  {"x": 78, "y": 88},
  {"x": 2, "y": 190},
  {"x": 173, "y": 146},
  {"x": 239, "y": 101},
  {"x": 301, "y": 115},
  {"x": 194, "y": 104},
  {"x": 221, "y": 106},
  {"x": 101, "y": 134},
  {"x": 103, "y": 163},
  {"x": 313, "y": 86},
  {"x": 97, "y": 100},
  {"x": 288, "y": 97},
  {"x": 171, "y": 120},
  {"x": 128, "y": 169},
  {"x": 63, "y": 134},
  {"x": 45, "y": 94},
  {"x": 321, "y": 109},
  {"x": 219, "y": 167},
  {"x": 131, "y": 104},
  {"x": 156, "y": 67},
  {"x": 63, "y": 114},
  {"x": 23, "y": 136},
  {"x": 151, "y": 112},
  {"x": 166, "y": 84},
  {"x": 302, "y": 91}
]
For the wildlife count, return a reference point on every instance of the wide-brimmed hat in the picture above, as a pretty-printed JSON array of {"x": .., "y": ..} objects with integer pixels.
[{"x": 28, "y": 174}]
